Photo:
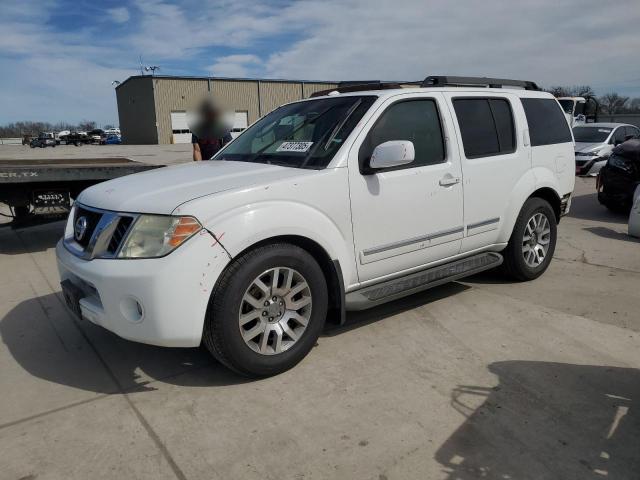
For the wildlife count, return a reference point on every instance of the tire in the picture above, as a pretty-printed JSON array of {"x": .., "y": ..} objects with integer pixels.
[
  {"x": 237, "y": 293},
  {"x": 528, "y": 265}
]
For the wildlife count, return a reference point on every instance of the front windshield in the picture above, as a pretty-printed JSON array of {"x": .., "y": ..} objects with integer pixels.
[
  {"x": 302, "y": 135},
  {"x": 591, "y": 134},
  {"x": 567, "y": 106}
]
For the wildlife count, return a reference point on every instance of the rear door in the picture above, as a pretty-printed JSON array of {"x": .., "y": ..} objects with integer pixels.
[
  {"x": 407, "y": 216},
  {"x": 494, "y": 159}
]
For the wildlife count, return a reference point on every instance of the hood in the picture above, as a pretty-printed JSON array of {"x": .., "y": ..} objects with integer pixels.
[
  {"x": 161, "y": 190},
  {"x": 584, "y": 147}
]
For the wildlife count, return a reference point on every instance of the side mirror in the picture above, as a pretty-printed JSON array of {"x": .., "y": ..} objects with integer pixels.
[{"x": 392, "y": 154}]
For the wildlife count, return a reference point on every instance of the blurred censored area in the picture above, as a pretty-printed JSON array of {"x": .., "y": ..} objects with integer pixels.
[{"x": 209, "y": 118}]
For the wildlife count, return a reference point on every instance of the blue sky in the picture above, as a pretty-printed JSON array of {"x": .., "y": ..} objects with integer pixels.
[{"x": 59, "y": 57}]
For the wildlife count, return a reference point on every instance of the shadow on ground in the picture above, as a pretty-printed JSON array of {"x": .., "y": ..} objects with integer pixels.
[
  {"x": 30, "y": 239},
  {"x": 587, "y": 207},
  {"x": 611, "y": 234},
  {"x": 547, "y": 421},
  {"x": 46, "y": 341}
]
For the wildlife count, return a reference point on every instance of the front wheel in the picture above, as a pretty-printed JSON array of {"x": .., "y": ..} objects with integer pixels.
[
  {"x": 267, "y": 310},
  {"x": 532, "y": 241}
]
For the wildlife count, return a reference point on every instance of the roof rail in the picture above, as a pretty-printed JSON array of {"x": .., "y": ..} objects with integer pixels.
[
  {"x": 358, "y": 86},
  {"x": 445, "y": 81}
]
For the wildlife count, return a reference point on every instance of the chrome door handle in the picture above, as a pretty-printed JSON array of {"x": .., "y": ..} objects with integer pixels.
[{"x": 448, "y": 181}]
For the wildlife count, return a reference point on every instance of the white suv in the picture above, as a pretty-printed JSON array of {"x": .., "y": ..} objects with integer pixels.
[{"x": 338, "y": 202}]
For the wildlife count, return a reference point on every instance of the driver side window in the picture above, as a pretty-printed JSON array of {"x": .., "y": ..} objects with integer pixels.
[{"x": 414, "y": 120}]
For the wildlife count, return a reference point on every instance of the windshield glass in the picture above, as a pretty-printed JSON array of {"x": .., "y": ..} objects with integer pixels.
[
  {"x": 302, "y": 135},
  {"x": 591, "y": 134},
  {"x": 567, "y": 106}
]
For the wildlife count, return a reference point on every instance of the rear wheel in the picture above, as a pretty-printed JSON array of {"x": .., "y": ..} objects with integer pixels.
[
  {"x": 267, "y": 310},
  {"x": 532, "y": 241}
]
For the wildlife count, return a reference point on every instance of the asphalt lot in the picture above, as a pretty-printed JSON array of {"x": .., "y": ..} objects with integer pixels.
[{"x": 476, "y": 379}]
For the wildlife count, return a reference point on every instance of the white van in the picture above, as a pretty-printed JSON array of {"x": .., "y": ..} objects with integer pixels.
[{"x": 339, "y": 202}]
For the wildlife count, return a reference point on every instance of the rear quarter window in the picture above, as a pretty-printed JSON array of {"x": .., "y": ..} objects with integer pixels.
[
  {"x": 547, "y": 123},
  {"x": 486, "y": 126}
]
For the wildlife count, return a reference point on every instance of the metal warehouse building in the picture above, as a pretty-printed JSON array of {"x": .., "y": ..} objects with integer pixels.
[{"x": 152, "y": 110}]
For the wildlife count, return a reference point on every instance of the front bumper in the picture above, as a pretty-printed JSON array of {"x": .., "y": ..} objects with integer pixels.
[
  {"x": 589, "y": 165},
  {"x": 160, "y": 301}
]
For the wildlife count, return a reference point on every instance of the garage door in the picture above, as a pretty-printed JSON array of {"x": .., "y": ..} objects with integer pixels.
[{"x": 179, "y": 127}]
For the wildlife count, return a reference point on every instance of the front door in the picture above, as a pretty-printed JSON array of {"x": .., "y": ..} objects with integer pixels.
[{"x": 407, "y": 216}]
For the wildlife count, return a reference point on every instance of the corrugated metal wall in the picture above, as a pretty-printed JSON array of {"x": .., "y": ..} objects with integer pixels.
[
  {"x": 274, "y": 94},
  {"x": 238, "y": 95},
  {"x": 175, "y": 95},
  {"x": 137, "y": 112},
  {"x": 146, "y": 118},
  {"x": 309, "y": 88}
]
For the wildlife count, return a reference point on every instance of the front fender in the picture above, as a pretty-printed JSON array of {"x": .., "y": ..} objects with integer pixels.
[{"x": 240, "y": 228}]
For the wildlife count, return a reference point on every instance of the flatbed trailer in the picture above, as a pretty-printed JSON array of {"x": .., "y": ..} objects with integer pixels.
[{"x": 42, "y": 190}]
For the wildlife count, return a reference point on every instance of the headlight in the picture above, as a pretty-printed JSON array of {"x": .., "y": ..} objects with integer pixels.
[{"x": 158, "y": 235}]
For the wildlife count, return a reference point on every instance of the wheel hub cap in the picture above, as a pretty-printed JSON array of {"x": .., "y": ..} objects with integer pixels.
[
  {"x": 536, "y": 240},
  {"x": 275, "y": 310}
]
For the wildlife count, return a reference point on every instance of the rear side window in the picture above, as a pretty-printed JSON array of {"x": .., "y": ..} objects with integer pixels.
[
  {"x": 414, "y": 120},
  {"x": 486, "y": 125},
  {"x": 547, "y": 123}
]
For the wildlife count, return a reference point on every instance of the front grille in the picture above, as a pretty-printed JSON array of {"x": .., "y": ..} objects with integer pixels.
[
  {"x": 92, "y": 219},
  {"x": 119, "y": 233}
]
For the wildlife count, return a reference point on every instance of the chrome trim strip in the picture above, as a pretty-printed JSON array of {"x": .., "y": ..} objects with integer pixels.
[
  {"x": 483, "y": 223},
  {"x": 101, "y": 236},
  {"x": 410, "y": 241}
]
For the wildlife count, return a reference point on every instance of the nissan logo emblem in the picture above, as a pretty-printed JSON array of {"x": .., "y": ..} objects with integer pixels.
[{"x": 80, "y": 228}]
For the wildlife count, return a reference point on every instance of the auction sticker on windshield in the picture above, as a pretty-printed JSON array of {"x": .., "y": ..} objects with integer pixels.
[{"x": 294, "y": 147}]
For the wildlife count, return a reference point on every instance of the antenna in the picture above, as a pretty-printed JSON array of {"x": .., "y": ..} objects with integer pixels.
[
  {"x": 152, "y": 69},
  {"x": 140, "y": 59}
]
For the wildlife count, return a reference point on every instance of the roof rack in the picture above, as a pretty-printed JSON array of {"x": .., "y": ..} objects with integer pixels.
[
  {"x": 358, "y": 86},
  {"x": 444, "y": 81}
]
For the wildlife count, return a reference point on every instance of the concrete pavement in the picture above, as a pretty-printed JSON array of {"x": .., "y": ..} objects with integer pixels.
[{"x": 476, "y": 379}]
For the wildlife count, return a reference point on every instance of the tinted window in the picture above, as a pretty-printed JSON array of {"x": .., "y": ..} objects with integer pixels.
[
  {"x": 591, "y": 134},
  {"x": 618, "y": 135},
  {"x": 632, "y": 131},
  {"x": 486, "y": 125},
  {"x": 416, "y": 121},
  {"x": 547, "y": 123},
  {"x": 504, "y": 124}
]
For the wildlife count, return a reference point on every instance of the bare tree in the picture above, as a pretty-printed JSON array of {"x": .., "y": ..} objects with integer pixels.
[
  {"x": 582, "y": 91},
  {"x": 87, "y": 125},
  {"x": 634, "y": 105},
  {"x": 612, "y": 103},
  {"x": 559, "y": 91}
]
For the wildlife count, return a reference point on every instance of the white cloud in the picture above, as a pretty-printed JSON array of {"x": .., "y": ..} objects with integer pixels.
[
  {"x": 119, "y": 14},
  {"x": 245, "y": 65}
]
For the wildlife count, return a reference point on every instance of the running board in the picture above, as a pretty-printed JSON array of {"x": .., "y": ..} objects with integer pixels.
[{"x": 416, "y": 282}]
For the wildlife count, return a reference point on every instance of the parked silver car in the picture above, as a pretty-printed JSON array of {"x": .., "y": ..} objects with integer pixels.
[{"x": 595, "y": 141}]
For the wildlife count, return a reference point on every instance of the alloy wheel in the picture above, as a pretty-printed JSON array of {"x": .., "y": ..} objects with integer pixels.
[
  {"x": 536, "y": 240},
  {"x": 275, "y": 310}
]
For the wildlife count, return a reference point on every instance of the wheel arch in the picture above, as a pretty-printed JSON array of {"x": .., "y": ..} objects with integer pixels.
[
  {"x": 551, "y": 196},
  {"x": 330, "y": 268}
]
